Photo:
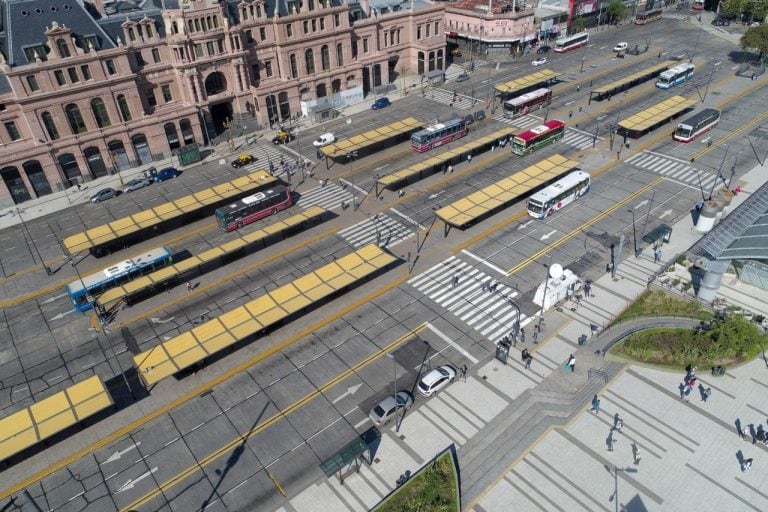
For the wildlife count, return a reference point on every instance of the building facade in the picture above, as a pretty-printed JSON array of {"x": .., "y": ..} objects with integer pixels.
[{"x": 90, "y": 88}]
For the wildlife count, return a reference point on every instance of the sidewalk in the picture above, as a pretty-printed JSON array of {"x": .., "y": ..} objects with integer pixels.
[{"x": 504, "y": 412}]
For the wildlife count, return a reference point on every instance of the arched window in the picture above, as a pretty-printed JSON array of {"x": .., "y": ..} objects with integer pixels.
[
  {"x": 285, "y": 106},
  {"x": 322, "y": 91},
  {"x": 340, "y": 54},
  {"x": 174, "y": 28},
  {"x": 75, "y": 119},
  {"x": 50, "y": 126},
  {"x": 125, "y": 112},
  {"x": 325, "y": 57},
  {"x": 309, "y": 58},
  {"x": 100, "y": 112},
  {"x": 244, "y": 14},
  {"x": 208, "y": 22},
  {"x": 63, "y": 48},
  {"x": 191, "y": 26},
  {"x": 197, "y": 24},
  {"x": 294, "y": 66},
  {"x": 215, "y": 21}
]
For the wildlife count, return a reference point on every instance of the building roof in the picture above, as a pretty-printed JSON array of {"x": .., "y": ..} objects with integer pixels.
[{"x": 741, "y": 235}]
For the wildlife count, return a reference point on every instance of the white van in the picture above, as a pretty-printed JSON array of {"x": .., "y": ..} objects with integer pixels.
[{"x": 620, "y": 47}]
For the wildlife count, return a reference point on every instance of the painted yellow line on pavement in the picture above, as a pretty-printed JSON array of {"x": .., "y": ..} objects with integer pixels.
[
  {"x": 219, "y": 452},
  {"x": 151, "y": 415},
  {"x": 585, "y": 225}
]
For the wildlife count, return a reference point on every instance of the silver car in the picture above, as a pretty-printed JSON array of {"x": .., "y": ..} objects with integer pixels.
[
  {"x": 136, "y": 184},
  {"x": 385, "y": 410},
  {"x": 103, "y": 195}
]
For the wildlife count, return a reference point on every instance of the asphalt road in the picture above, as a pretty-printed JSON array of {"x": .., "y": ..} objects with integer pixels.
[{"x": 266, "y": 429}]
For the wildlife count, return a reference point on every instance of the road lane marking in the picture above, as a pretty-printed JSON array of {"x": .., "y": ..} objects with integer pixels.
[
  {"x": 484, "y": 262},
  {"x": 452, "y": 343}
]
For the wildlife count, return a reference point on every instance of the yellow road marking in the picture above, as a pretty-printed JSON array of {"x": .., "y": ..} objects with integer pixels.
[
  {"x": 114, "y": 436},
  {"x": 585, "y": 225},
  {"x": 179, "y": 477}
]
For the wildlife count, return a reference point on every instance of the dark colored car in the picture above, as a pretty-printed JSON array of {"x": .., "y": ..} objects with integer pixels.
[
  {"x": 381, "y": 103},
  {"x": 462, "y": 77},
  {"x": 103, "y": 195},
  {"x": 243, "y": 160},
  {"x": 166, "y": 173},
  {"x": 479, "y": 115},
  {"x": 543, "y": 48}
]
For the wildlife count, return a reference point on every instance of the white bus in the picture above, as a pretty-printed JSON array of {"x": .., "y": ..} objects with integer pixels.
[
  {"x": 564, "y": 191},
  {"x": 675, "y": 76},
  {"x": 570, "y": 42},
  {"x": 527, "y": 102}
]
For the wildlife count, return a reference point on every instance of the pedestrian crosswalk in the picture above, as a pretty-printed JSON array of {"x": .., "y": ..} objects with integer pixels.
[
  {"x": 673, "y": 168},
  {"x": 573, "y": 136},
  {"x": 491, "y": 313},
  {"x": 380, "y": 229},
  {"x": 266, "y": 152},
  {"x": 329, "y": 196},
  {"x": 455, "y": 100},
  {"x": 527, "y": 121}
]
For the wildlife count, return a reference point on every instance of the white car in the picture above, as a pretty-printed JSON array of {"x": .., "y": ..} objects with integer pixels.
[
  {"x": 620, "y": 47},
  {"x": 324, "y": 140},
  {"x": 436, "y": 380},
  {"x": 539, "y": 61}
]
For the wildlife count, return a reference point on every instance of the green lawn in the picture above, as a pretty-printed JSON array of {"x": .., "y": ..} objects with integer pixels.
[
  {"x": 661, "y": 303},
  {"x": 433, "y": 489}
]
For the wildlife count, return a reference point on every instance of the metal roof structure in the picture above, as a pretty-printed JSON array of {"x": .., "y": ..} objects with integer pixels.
[{"x": 742, "y": 235}]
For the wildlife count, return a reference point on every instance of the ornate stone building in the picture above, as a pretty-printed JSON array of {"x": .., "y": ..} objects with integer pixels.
[{"x": 88, "y": 88}]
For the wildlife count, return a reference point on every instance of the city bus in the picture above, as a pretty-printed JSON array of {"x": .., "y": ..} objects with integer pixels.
[
  {"x": 642, "y": 18},
  {"x": 571, "y": 42},
  {"x": 82, "y": 291},
  {"x": 698, "y": 5},
  {"x": 535, "y": 138},
  {"x": 527, "y": 102},
  {"x": 439, "y": 134},
  {"x": 564, "y": 191},
  {"x": 254, "y": 207},
  {"x": 699, "y": 123},
  {"x": 675, "y": 76}
]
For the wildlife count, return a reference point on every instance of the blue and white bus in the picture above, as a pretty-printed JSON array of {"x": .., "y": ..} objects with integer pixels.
[
  {"x": 675, "y": 76},
  {"x": 82, "y": 291}
]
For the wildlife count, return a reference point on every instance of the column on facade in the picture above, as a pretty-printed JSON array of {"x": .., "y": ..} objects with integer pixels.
[{"x": 189, "y": 81}]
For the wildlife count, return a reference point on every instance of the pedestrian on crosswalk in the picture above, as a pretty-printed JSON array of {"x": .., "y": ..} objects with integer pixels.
[
  {"x": 522, "y": 335},
  {"x": 571, "y": 364},
  {"x": 528, "y": 362},
  {"x": 595, "y": 405},
  {"x": 455, "y": 281}
]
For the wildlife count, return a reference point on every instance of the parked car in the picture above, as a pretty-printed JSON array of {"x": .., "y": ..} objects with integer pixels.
[
  {"x": 324, "y": 140},
  {"x": 103, "y": 195},
  {"x": 243, "y": 160},
  {"x": 136, "y": 184},
  {"x": 539, "y": 61},
  {"x": 721, "y": 22},
  {"x": 544, "y": 48},
  {"x": 381, "y": 103},
  {"x": 385, "y": 410},
  {"x": 620, "y": 47},
  {"x": 462, "y": 77},
  {"x": 436, "y": 380},
  {"x": 166, "y": 173},
  {"x": 283, "y": 137}
]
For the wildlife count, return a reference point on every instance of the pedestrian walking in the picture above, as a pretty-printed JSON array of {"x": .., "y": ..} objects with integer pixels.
[
  {"x": 528, "y": 362},
  {"x": 485, "y": 286},
  {"x": 522, "y": 335},
  {"x": 596, "y": 405},
  {"x": 618, "y": 423},
  {"x": 746, "y": 465},
  {"x": 450, "y": 168},
  {"x": 705, "y": 394},
  {"x": 571, "y": 364},
  {"x": 469, "y": 158},
  {"x": 588, "y": 289},
  {"x": 464, "y": 373},
  {"x": 455, "y": 281},
  {"x": 524, "y": 355},
  {"x": 657, "y": 256},
  {"x": 636, "y": 453},
  {"x": 611, "y": 441},
  {"x": 189, "y": 286}
]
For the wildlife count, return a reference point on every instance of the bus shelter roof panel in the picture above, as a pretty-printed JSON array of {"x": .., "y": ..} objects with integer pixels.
[
  {"x": 363, "y": 140},
  {"x": 620, "y": 83},
  {"x": 285, "y": 292},
  {"x": 319, "y": 292},
  {"x": 271, "y": 316},
  {"x": 526, "y": 81},
  {"x": 17, "y": 433},
  {"x": 259, "y": 304},
  {"x": 297, "y": 303},
  {"x": 656, "y": 114}
]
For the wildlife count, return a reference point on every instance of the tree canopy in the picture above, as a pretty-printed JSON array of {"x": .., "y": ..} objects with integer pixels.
[
  {"x": 577, "y": 25},
  {"x": 757, "y": 38},
  {"x": 616, "y": 11}
]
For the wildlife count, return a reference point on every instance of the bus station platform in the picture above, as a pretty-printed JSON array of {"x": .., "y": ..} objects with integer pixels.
[
  {"x": 651, "y": 118},
  {"x": 390, "y": 134},
  {"x": 630, "y": 81},
  {"x": 526, "y": 83}
]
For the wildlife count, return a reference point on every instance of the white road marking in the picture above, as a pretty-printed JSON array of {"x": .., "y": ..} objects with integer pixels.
[
  {"x": 452, "y": 343},
  {"x": 485, "y": 262}
]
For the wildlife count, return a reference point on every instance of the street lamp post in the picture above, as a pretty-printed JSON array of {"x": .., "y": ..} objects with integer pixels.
[
  {"x": 634, "y": 232},
  {"x": 544, "y": 296},
  {"x": 351, "y": 156},
  {"x": 516, "y": 326}
]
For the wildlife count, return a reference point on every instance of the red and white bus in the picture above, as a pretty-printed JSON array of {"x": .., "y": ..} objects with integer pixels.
[
  {"x": 642, "y": 18},
  {"x": 535, "y": 138},
  {"x": 698, "y": 5},
  {"x": 527, "y": 102},
  {"x": 254, "y": 207},
  {"x": 699, "y": 123},
  {"x": 571, "y": 42},
  {"x": 564, "y": 191},
  {"x": 439, "y": 134}
]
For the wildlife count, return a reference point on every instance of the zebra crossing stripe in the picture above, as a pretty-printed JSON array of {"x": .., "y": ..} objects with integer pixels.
[
  {"x": 330, "y": 196},
  {"x": 383, "y": 228}
]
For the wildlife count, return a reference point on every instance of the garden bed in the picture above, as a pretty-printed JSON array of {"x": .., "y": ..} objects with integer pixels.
[{"x": 434, "y": 488}]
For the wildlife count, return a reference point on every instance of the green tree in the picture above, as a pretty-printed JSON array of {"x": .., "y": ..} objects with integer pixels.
[
  {"x": 577, "y": 25},
  {"x": 757, "y": 38},
  {"x": 757, "y": 10},
  {"x": 616, "y": 11},
  {"x": 732, "y": 8}
]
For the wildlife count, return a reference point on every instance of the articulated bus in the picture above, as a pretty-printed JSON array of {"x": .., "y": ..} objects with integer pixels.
[
  {"x": 699, "y": 123},
  {"x": 571, "y": 42},
  {"x": 439, "y": 134},
  {"x": 675, "y": 76},
  {"x": 82, "y": 291},
  {"x": 564, "y": 191},
  {"x": 527, "y": 102},
  {"x": 642, "y": 18},
  {"x": 535, "y": 138},
  {"x": 252, "y": 208}
]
